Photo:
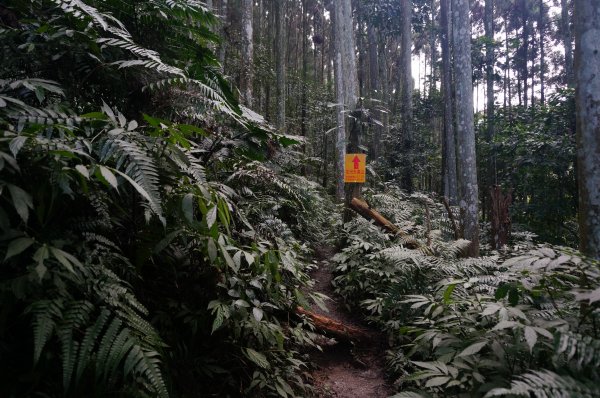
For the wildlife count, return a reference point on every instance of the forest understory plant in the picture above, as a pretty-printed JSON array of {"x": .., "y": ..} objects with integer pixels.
[
  {"x": 141, "y": 245},
  {"x": 517, "y": 322}
]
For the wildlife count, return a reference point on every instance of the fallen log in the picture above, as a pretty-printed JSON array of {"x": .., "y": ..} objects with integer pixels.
[
  {"x": 334, "y": 328},
  {"x": 363, "y": 208}
]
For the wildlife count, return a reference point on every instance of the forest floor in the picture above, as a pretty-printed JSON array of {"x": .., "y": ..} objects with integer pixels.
[{"x": 347, "y": 370}]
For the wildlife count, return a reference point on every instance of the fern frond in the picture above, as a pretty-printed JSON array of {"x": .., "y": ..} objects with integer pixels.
[
  {"x": 146, "y": 364},
  {"x": 547, "y": 384},
  {"x": 92, "y": 334},
  {"x": 137, "y": 163},
  {"x": 44, "y": 314},
  {"x": 581, "y": 351},
  {"x": 69, "y": 350}
]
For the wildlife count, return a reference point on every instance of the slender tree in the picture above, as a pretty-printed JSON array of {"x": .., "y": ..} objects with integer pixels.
[
  {"x": 565, "y": 29},
  {"x": 246, "y": 80},
  {"x": 375, "y": 90},
  {"x": 542, "y": 39},
  {"x": 587, "y": 97},
  {"x": 280, "y": 62},
  {"x": 449, "y": 141},
  {"x": 488, "y": 22},
  {"x": 406, "y": 88},
  {"x": 346, "y": 80},
  {"x": 465, "y": 128},
  {"x": 224, "y": 11}
]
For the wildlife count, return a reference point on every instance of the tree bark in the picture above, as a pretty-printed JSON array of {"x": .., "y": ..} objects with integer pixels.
[
  {"x": 304, "y": 82},
  {"x": 406, "y": 88},
  {"x": 587, "y": 97},
  {"x": 489, "y": 77},
  {"x": 346, "y": 80},
  {"x": 500, "y": 216},
  {"x": 542, "y": 30},
  {"x": 223, "y": 46},
  {"x": 467, "y": 161},
  {"x": 363, "y": 208},
  {"x": 247, "y": 52},
  {"x": 525, "y": 50},
  {"x": 449, "y": 141},
  {"x": 333, "y": 327},
  {"x": 565, "y": 28},
  {"x": 375, "y": 91},
  {"x": 280, "y": 50}
]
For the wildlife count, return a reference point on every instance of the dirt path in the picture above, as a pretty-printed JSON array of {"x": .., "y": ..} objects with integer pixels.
[{"x": 347, "y": 370}]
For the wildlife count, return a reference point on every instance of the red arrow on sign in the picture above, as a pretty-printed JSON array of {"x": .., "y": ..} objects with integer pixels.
[{"x": 356, "y": 161}]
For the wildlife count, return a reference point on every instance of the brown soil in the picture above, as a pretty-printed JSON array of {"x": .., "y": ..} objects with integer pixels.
[{"x": 347, "y": 370}]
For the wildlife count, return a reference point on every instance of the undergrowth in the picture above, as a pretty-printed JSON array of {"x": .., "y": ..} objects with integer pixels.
[
  {"x": 145, "y": 252},
  {"x": 522, "y": 321}
]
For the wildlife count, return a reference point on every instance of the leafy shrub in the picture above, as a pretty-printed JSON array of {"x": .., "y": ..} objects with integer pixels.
[
  {"x": 516, "y": 323},
  {"x": 136, "y": 253}
]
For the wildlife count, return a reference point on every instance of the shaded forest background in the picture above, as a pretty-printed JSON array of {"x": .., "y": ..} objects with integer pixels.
[{"x": 523, "y": 85}]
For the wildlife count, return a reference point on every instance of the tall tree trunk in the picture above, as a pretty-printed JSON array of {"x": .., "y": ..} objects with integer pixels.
[
  {"x": 532, "y": 71},
  {"x": 304, "y": 82},
  {"x": 449, "y": 141},
  {"x": 375, "y": 91},
  {"x": 433, "y": 52},
  {"x": 280, "y": 42},
  {"x": 385, "y": 88},
  {"x": 525, "y": 51},
  {"x": 542, "y": 30},
  {"x": 587, "y": 97},
  {"x": 223, "y": 47},
  {"x": 465, "y": 132},
  {"x": 508, "y": 70},
  {"x": 406, "y": 89},
  {"x": 247, "y": 52},
  {"x": 346, "y": 81},
  {"x": 489, "y": 79},
  {"x": 565, "y": 28}
]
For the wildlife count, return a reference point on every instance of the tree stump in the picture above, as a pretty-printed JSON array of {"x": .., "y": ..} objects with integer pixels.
[{"x": 500, "y": 216}]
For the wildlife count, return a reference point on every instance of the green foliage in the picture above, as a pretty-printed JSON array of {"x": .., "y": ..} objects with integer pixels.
[
  {"x": 142, "y": 250},
  {"x": 533, "y": 154},
  {"x": 514, "y": 323}
]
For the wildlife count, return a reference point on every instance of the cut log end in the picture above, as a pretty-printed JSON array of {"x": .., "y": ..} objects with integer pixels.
[
  {"x": 335, "y": 328},
  {"x": 363, "y": 208}
]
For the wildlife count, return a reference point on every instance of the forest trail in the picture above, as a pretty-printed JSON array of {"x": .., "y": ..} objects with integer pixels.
[{"x": 347, "y": 370}]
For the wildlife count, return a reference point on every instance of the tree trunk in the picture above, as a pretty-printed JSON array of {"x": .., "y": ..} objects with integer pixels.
[
  {"x": 375, "y": 91},
  {"x": 304, "y": 83},
  {"x": 385, "y": 90},
  {"x": 508, "y": 77},
  {"x": 489, "y": 77},
  {"x": 525, "y": 50},
  {"x": 467, "y": 161},
  {"x": 335, "y": 328},
  {"x": 587, "y": 97},
  {"x": 542, "y": 30},
  {"x": 346, "y": 80},
  {"x": 406, "y": 89},
  {"x": 500, "y": 216},
  {"x": 223, "y": 46},
  {"x": 565, "y": 28},
  {"x": 363, "y": 208},
  {"x": 247, "y": 52},
  {"x": 449, "y": 140},
  {"x": 280, "y": 62},
  {"x": 433, "y": 54}
]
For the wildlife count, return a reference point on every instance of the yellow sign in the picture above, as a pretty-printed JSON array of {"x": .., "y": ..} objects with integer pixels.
[{"x": 355, "y": 167}]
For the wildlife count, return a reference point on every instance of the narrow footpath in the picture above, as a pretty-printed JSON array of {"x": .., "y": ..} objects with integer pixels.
[{"x": 347, "y": 369}]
